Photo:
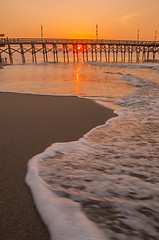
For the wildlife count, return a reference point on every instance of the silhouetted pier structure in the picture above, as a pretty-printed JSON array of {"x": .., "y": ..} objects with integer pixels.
[{"x": 88, "y": 49}]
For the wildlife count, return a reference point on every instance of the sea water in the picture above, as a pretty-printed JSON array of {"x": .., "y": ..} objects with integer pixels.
[{"x": 106, "y": 184}]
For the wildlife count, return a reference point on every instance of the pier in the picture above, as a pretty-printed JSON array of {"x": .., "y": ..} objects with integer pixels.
[{"x": 79, "y": 49}]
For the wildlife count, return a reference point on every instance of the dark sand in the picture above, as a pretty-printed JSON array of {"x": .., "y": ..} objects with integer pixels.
[{"x": 28, "y": 125}]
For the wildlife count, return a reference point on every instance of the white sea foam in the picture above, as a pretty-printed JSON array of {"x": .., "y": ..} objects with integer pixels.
[
  {"x": 62, "y": 216},
  {"x": 153, "y": 66},
  {"x": 110, "y": 175}
]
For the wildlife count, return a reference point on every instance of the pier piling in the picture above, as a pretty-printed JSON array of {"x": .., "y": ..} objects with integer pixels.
[
  {"x": 83, "y": 53},
  {"x": 34, "y": 60},
  {"x": 10, "y": 54},
  {"x": 22, "y": 53}
]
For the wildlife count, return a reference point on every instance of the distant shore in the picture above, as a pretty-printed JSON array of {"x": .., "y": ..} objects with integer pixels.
[{"x": 29, "y": 124}]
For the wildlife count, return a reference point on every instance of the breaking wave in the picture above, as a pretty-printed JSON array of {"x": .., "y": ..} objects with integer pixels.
[{"x": 106, "y": 184}]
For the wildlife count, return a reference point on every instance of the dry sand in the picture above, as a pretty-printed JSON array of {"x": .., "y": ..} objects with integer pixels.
[{"x": 28, "y": 125}]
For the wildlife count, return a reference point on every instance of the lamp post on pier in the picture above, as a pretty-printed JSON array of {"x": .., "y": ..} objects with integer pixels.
[
  {"x": 155, "y": 35},
  {"x": 138, "y": 35},
  {"x": 41, "y": 31},
  {"x": 97, "y": 32}
]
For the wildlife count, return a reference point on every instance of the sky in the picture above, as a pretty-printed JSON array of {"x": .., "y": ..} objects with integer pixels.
[{"x": 116, "y": 19}]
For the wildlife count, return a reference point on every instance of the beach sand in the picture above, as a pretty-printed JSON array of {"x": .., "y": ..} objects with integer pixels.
[{"x": 28, "y": 125}]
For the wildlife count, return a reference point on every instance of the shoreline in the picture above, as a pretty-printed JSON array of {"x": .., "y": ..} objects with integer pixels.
[{"x": 30, "y": 124}]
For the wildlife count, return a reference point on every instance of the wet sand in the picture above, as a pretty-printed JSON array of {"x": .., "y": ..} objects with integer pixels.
[{"x": 28, "y": 125}]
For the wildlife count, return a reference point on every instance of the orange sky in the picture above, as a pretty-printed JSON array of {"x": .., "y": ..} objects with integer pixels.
[{"x": 117, "y": 19}]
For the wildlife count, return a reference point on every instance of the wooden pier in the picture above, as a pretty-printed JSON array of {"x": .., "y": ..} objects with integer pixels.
[{"x": 79, "y": 49}]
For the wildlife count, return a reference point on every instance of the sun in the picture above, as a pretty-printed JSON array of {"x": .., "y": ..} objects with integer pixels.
[{"x": 79, "y": 47}]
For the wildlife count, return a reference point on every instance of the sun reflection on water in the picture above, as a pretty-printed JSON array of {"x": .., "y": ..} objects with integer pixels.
[{"x": 77, "y": 80}]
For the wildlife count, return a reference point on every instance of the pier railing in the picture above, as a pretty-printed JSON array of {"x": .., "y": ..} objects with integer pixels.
[
  {"x": 97, "y": 50},
  {"x": 73, "y": 41}
]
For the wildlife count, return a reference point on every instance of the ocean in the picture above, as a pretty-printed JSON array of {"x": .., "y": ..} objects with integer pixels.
[{"x": 106, "y": 184}]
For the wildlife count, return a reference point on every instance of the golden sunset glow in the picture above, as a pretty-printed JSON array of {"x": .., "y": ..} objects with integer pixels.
[{"x": 117, "y": 19}]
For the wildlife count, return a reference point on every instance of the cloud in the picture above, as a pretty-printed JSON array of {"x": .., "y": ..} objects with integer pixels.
[
  {"x": 126, "y": 17},
  {"x": 132, "y": 15}
]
